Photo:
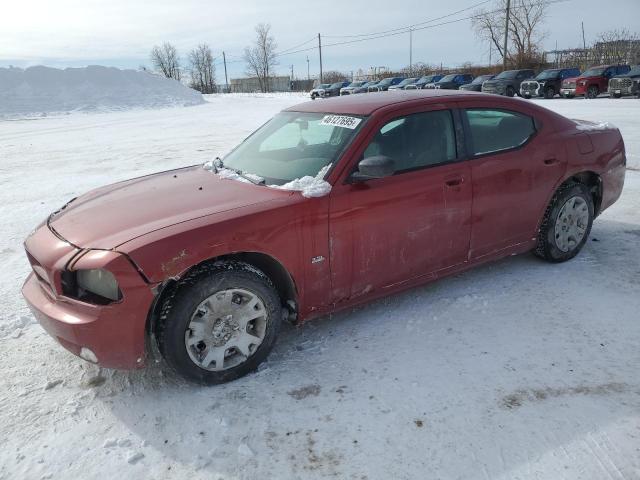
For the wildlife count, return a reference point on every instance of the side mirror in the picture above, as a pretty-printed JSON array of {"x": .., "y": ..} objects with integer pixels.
[{"x": 370, "y": 168}]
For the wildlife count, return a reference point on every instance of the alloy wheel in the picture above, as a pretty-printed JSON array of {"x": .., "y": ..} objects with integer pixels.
[{"x": 226, "y": 329}]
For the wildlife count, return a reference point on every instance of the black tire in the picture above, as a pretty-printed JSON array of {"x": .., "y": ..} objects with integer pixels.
[
  {"x": 616, "y": 95},
  {"x": 549, "y": 92},
  {"x": 510, "y": 92},
  {"x": 198, "y": 285},
  {"x": 593, "y": 91},
  {"x": 527, "y": 96},
  {"x": 547, "y": 248},
  {"x": 569, "y": 96}
]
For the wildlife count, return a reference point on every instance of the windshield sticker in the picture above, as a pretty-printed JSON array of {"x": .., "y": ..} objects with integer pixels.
[{"x": 341, "y": 121}]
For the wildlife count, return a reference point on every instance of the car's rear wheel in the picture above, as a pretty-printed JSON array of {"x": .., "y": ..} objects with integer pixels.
[
  {"x": 510, "y": 92},
  {"x": 549, "y": 92},
  {"x": 593, "y": 91},
  {"x": 566, "y": 223},
  {"x": 220, "y": 323}
]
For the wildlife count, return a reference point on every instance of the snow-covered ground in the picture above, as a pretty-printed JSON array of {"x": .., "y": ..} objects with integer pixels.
[{"x": 516, "y": 370}]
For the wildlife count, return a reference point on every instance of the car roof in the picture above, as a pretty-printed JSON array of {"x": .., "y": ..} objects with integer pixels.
[{"x": 368, "y": 103}]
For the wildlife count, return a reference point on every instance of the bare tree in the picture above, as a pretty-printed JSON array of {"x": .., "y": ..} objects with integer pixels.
[
  {"x": 333, "y": 76},
  {"x": 261, "y": 57},
  {"x": 202, "y": 69},
  {"x": 525, "y": 29},
  {"x": 616, "y": 46},
  {"x": 165, "y": 59}
]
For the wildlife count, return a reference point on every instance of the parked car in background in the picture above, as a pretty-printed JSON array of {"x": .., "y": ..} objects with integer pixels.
[
  {"x": 476, "y": 84},
  {"x": 452, "y": 81},
  {"x": 333, "y": 90},
  {"x": 383, "y": 85},
  {"x": 319, "y": 90},
  {"x": 403, "y": 83},
  {"x": 595, "y": 80},
  {"x": 507, "y": 83},
  {"x": 352, "y": 87},
  {"x": 547, "y": 83},
  {"x": 422, "y": 81},
  {"x": 626, "y": 84},
  {"x": 205, "y": 267}
]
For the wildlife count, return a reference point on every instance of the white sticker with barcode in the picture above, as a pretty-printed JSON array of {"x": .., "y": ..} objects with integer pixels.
[{"x": 341, "y": 121}]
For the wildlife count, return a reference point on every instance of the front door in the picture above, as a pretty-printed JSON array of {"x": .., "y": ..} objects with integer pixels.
[{"x": 386, "y": 231}]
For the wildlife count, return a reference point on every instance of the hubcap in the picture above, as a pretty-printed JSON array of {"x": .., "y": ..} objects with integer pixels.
[
  {"x": 226, "y": 329},
  {"x": 571, "y": 224}
]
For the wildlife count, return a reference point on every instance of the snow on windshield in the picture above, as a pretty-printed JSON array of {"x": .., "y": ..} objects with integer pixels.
[{"x": 309, "y": 186}]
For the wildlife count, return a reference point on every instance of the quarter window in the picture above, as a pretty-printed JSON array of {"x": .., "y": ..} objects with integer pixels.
[
  {"x": 416, "y": 141},
  {"x": 498, "y": 130}
]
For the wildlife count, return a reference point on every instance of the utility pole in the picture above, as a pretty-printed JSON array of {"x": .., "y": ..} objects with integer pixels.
[
  {"x": 584, "y": 46},
  {"x": 226, "y": 79},
  {"x": 506, "y": 36},
  {"x": 291, "y": 72},
  {"x": 320, "y": 52},
  {"x": 410, "y": 50},
  {"x": 308, "y": 76}
]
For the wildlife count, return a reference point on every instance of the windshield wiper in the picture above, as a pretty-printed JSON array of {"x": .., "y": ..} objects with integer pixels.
[{"x": 218, "y": 164}]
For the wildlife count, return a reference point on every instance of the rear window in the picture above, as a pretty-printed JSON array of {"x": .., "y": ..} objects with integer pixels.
[{"x": 498, "y": 130}]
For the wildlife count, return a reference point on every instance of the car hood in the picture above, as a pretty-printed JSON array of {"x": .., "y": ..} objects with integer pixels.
[
  {"x": 627, "y": 75},
  {"x": 110, "y": 216},
  {"x": 497, "y": 81}
]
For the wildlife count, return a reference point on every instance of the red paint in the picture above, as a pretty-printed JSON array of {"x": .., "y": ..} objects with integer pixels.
[
  {"x": 376, "y": 237},
  {"x": 599, "y": 81}
]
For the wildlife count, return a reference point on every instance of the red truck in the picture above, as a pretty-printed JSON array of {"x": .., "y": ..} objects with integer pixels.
[
  {"x": 328, "y": 205},
  {"x": 595, "y": 80}
]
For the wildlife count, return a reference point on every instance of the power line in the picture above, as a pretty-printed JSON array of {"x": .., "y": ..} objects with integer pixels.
[
  {"x": 424, "y": 27},
  {"x": 405, "y": 28}
]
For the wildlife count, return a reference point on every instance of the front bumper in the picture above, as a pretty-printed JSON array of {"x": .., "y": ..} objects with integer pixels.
[
  {"x": 568, "y": 92},
  {"x": 112, "y": 335},
  {"x": 623, "y": 89}
]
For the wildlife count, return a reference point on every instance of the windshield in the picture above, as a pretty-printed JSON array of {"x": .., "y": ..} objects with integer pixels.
[
  {"x": 293, "y": 145},
  {"x": 357, "y": 84},
  {"x": 386, "y": 81},
  {"x": 336, "y": 85},
  {"x": 635, "y": 71},
  {"x": 481, "y": 79},
  {"x": 594, "y": 72},
  {"x": 427, "y": 79},
  {"x": 508, "y": 74},
  {"x": 406, "y": 81},
  {"x": 449, "y": 78},
  {"x": 548, "y": 74}
]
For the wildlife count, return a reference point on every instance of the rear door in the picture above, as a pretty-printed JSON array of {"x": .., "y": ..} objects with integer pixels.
[
  {"x": 512, "y": 173},
  {"x": 386, "y": 231}
]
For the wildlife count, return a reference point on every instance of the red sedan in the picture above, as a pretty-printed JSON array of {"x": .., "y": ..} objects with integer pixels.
[{"x": 326, "y": 206}]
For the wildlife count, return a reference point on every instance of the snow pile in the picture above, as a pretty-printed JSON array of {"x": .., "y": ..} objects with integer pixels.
[
  {"x": 585, "y": 125},
  {"x": 309, "y": 186},
  {"x": 44, "y": 90}
]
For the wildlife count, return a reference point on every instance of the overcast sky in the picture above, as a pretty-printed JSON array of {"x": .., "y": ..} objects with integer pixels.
[{"x": 121, "y": 33}]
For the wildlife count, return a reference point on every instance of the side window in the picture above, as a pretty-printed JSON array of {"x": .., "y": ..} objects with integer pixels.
[
  {"x": 415, "y": 141},
  {"x": 622, "y": 69},
  {"x": 497, "y": 130}
]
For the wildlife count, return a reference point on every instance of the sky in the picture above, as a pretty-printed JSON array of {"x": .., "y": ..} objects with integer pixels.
[{"x": 120, "y": 33}]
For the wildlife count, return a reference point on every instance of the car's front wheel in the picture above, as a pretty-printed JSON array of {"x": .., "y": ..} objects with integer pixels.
[
  {"x": 510, "y": 92},
  {"x": 220, "y": 323},
  {"x": 566, "y": 223},
  {"x": 549, "y": 92},
  {"x": 593, "y": 91}
]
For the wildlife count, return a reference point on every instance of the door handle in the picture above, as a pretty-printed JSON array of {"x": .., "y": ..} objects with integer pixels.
[
  {"x": 454, "y": 182},
  {"x": 550, "y": 161}
]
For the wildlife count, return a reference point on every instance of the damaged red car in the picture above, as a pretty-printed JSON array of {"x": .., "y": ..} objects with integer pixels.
[{"x": 326, "y": 206}]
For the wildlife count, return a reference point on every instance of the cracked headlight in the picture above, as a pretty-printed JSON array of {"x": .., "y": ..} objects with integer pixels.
[{"x": 97, "y": 283}]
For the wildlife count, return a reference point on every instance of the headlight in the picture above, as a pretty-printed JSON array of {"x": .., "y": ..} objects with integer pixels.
[{"x": 97, "y": 282}]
